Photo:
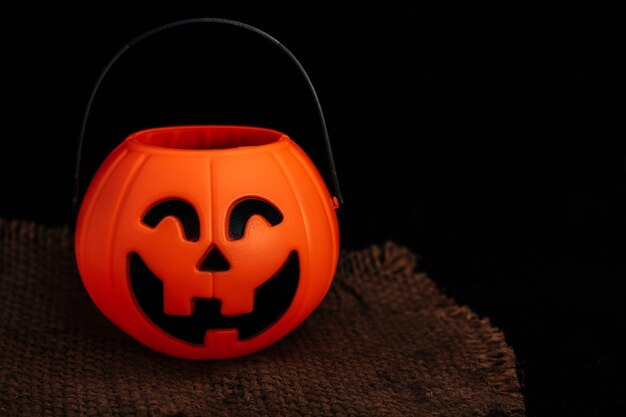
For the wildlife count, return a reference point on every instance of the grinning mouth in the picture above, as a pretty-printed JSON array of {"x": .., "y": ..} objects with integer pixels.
[{"x": 271, "y": 301}]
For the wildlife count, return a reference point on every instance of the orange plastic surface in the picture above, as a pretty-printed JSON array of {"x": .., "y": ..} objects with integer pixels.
[{"x": 211, "y": 168}]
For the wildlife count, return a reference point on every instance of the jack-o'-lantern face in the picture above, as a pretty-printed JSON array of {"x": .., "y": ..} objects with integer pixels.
[
  {"x": 207, "y": 242},
  {"x": 211, "y": 293}
]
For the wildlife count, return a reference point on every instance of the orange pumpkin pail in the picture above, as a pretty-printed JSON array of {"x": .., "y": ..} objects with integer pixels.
[{"x": 205, "y": 241}]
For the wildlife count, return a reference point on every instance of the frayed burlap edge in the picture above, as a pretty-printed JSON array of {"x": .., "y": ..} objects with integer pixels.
[
  {"x": 395, "y": 260},
  {"x": 18, "y": 230}
]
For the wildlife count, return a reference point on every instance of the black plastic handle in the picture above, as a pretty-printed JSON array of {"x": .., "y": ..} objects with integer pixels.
[{"x": 151, "y": 32}]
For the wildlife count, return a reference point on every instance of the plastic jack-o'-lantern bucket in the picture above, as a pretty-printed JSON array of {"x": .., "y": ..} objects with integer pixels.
[{"x": 207, "y": 242}]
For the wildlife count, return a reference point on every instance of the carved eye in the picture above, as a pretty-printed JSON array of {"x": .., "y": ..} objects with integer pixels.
[
  {"x": 243, "y": 209},
  {"x": 182, "y": 210}
]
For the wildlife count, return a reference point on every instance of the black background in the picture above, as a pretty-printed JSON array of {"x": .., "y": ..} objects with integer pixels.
[{"x": 487, "y": 140}]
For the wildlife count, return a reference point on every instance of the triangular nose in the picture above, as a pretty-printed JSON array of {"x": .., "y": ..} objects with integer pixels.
[{"x": 214, "y": 261}]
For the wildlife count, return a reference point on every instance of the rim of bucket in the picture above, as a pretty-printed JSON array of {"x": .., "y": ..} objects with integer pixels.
[{"x": 203, "y": 138}]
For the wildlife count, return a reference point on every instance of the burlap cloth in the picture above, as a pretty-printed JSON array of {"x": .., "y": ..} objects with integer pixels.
[{"x": 385, "y": 342}]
